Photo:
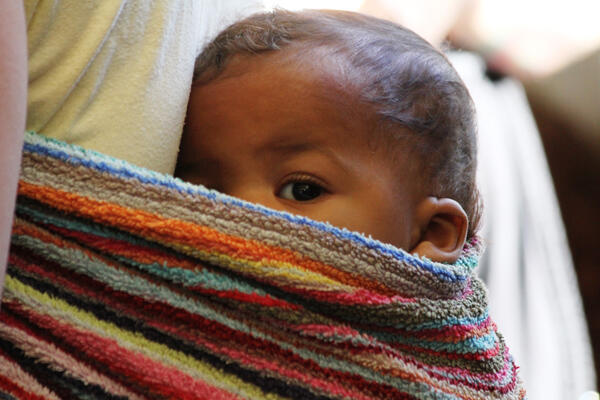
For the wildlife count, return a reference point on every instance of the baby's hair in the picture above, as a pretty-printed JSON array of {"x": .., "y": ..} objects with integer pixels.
[{"x": 410, "y": 84}]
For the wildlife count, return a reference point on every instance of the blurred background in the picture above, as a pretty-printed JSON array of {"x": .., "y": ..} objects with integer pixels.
[{"x": 551, "y": 48}]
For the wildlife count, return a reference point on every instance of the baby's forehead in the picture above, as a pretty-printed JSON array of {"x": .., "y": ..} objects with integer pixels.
[{"x": 341, "y": 85}]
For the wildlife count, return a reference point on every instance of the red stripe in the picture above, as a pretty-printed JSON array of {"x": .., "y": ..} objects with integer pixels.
[
  {"x": 8, "y": 387},
  {"x": 158, "y": 378},
  {"x": 467, "y": 380},
  {"x": 358, "y": 297},
  {"x": 248, "y": 298},
  {"x": 164, "y": 317},
  {"x": 136, "y": 252},
  {"x": 446, "y": 334},
  {"x": 177, "y": 317},
  {"x": 146, "y": 255},
  {"x": 7, "y": 319},
  {"x": 257, "y": 360},
  {"x": 217, "y": 330}
]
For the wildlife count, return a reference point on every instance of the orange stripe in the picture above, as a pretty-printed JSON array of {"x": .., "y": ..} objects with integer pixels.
[{"x": 166, "y": 230}]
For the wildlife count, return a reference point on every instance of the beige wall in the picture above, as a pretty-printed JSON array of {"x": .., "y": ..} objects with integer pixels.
[{"x": 574, "y": 95}]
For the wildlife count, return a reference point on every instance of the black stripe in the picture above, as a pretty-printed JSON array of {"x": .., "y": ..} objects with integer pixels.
[
  {"x": 6, "y": 396},
  {"x": 64, "y": 386},
  {"x": 102, "y": 312}
]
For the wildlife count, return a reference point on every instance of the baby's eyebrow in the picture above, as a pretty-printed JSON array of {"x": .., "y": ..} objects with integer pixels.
[{"x": 286, "y": 148}]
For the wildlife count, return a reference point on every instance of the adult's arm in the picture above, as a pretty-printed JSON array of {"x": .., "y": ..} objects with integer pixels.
[{"x": 13, "y": 95}]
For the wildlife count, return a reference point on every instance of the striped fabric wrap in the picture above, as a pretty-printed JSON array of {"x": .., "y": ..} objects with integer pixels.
[{"x": 125, "y": 283}]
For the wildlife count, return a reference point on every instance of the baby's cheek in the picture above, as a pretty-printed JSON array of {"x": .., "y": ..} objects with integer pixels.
[
  {"x": 382, "y": 219},
  {"x": 365, "y": 217}
]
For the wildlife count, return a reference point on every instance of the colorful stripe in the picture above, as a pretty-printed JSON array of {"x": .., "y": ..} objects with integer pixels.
[{"x": 124, "y": 283}]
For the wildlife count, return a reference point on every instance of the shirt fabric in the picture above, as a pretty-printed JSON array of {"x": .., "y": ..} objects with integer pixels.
[{"x": 114, "y": 75}]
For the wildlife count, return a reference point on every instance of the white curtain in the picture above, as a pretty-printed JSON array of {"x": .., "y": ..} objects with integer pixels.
[{"x": 527, "y": 265}]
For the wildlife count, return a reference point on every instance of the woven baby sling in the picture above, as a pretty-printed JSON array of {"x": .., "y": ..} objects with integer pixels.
[{"x": 124, "y": 283}]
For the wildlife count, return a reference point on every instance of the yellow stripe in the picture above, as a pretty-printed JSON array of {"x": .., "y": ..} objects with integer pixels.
[
  {"x": 280, "y": 270},
  {"x": 45, "y": 304}
]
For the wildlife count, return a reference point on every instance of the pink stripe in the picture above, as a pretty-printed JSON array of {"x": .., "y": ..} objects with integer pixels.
[
  {"x": 158, "y": 378},
  {"x": 61, "y": 361},
  {"x": 507, "y": 368},
  {"x": 324, "y": 331},
  {"x": 21, "y": 379}
]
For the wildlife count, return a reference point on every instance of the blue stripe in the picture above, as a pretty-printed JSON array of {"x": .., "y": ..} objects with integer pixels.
[
  {"x": 79, "y": 156},
  {"x": 469, "y": 345}
]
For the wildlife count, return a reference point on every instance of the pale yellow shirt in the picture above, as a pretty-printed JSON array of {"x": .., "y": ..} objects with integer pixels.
[{"x": 115, "y": 75}]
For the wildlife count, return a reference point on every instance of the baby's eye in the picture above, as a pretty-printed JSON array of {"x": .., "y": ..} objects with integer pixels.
[{"x": 300, "y": 191}]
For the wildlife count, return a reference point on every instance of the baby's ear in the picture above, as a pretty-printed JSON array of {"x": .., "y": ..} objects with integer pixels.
[{"x": 439, "y": 230}]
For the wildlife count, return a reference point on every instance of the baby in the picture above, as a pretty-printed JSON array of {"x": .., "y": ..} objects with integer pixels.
[{"x": 339, "y": 117}]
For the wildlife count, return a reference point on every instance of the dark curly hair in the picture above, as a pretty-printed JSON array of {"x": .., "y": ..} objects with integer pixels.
[{"x": 409, "y": 83}]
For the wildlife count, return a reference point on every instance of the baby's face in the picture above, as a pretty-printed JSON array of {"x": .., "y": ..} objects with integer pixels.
[{"x": 295, "y": 139}]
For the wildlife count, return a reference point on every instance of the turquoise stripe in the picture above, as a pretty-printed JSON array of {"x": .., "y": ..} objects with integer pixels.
[
  {"x": 199, "y": 277},
  {"x": 137, "y": 286},
  {"x": 202, "y": 278},
  {"x": 444, "y": 322},
  {"x": 467, "y": 346}
]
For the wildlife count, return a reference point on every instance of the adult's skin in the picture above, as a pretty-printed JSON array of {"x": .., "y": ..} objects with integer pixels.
[{"x": 13, "y": 105}]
